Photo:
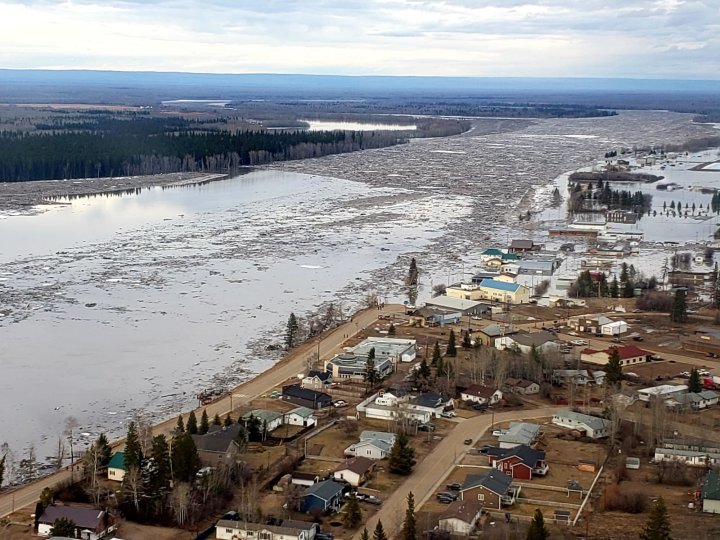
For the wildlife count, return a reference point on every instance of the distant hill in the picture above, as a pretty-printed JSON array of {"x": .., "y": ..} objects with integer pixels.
[{"x": 142, "y": 87}]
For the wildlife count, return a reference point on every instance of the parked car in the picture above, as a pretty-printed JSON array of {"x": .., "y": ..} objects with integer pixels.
[
  {"x": 340, "y": 403},
  {"x": 373, "y": 500},
  {"x": 426, "y": 427},
  {"x": 498, "y": 432},
  {"x": 484, "y": 449},
  {"x": 324, "y": 536},
  {"x": 448, "y": 414},
  {"x": 480, "y": 406},
  {"x": 468, "y": 441},
  {"x": 579, "y": 342},
  {"x": 441, "y": 500},
  {"x": 638, "y": 338},
  {"x": 454, "y": 486},
  {"x": 447, "y": 495}
]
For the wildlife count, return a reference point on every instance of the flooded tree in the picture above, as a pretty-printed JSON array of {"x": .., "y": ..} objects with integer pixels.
[{"x": 291, "y": 331}]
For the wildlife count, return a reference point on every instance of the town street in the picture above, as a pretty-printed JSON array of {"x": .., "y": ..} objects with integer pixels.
[
  {"x": 287, "y": 368},
  {"x": 428, "y": 474}
]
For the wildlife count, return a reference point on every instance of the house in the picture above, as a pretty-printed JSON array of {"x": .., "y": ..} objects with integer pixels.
[
  {"x": 459, "y": 304},
  {"x": 710, "y": 493},
  {"x": 305, "y": 397},
  {"x": 544, "y": 342},
  {"x": 349, "y": 365},
  {"x": 301, "y": 416},
  {"x": 538, "y": 267},
  {"x": 355, "y": 471},
  {"x": 477, "y": 393},
  {"x": 393, "y": 349},
  {"x": 492, "y": 253},
  {"x": 615, "y": 328},
  {"x": 500, "y": 291},
  {"x": 372, "y": 445},
  {"x": 460, "y": 517},
  {"x": 491, "y": 488},
  {"x": 664, "y": 391},
  {"x": 592, "y": 426},
  {"x": 304, "y": 479},
  {"x": 520, "y": 462},
  {"x": 579, "y": 377},
  {"x": 521, "y": 386},
  {"x": 597, "y": 324},
  {"x": 116, "y": 467},
  {"x": 629, "y": 355},
  {"x": 227, "y": 529},
  {"x": 317, "y": 380},
  {"x": 431, "y": 402},
  {"x": 392, "y": 404},
  {"x": 523, "y": 246},
  {"x": 325, "y": 496},
  {"x": 693, "y": 400},
  {"x": 90, "y": 523},
  {"x": 691, "y": 458},
  {"x": 519, "y": 433},
  {"x": 269, "y": 420},
  {"x": 479, "y": 276},
  {"x": 598, "y": 376},
  {"x": 490, "y": 334},
  {"x": 464, "y": 291},
  {"x": 218, "y": 445}
]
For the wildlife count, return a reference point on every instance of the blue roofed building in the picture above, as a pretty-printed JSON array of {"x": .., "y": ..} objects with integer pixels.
[
  {"x": 325, "y": 496},
  {"x": 501, "y": 291}
]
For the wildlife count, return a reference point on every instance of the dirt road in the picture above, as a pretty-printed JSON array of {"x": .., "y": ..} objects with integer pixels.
[
  {"x": 287, "y": 368},
  {"x": 428, "y": 474}
]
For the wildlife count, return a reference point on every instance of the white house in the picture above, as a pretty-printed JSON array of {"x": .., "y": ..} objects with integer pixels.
[
  {"x": 269, "y": 419},
  {"x": 354, "y": 471},
  {"x": 372, "y": 444},
  {"x": 691, "y": 458},
  {"x": 317, "y": 380},
  {"x": 394, "y": 349},
  {"x": 226, "y": 529},
  {"x": 593, "y": 426},
  {"x": 460, "y": 517},
  {"x": 519, "y": 433},
  {"x": 431, "y": 403},
  {"x": 614, "y": 328},
  {"x": 301, "y": 416},
  {"x": 392, "y": 405},
  {"x": 522, "y": 386},
  {"x": 477, "y": 393},
  {"x": 544, "y": 342},
  {"x": 664, "y": 391},
  {"x": 90, "y": 524}
]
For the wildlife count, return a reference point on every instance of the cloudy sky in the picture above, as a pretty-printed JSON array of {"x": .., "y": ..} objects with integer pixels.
[{"x": 580, "y": 38}]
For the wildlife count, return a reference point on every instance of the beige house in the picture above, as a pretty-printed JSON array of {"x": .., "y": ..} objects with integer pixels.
[
  {"x": 629, "y": 355},
  {"x": 464, "y": 291},
  {"x": 460, "y": 517}
]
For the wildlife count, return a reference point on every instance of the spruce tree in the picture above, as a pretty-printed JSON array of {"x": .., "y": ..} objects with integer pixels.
[
  {"x": 216, "y": 420},
  {"x": 104, "y": 452},
  {"x": 365, "y": 535},
  {"x": 613, "y": 369},
  {"x": 2, "y": 468},
  {"x": 409, "y": 530},
  {"x": 204, "y": 423},
  {"x": 159, "y": 474},
  {"x": 353, "y": 514},
  {"x": 63, "y": 527},
  {"x": 192, "y": 426},
  {"x": 424, "y": 370},
  {"x": 436, "y": 354},
  {"x": 466, "y": 341},
  {"x": 391, "y": 330},
  {"x": 412, "y": 277},
  {"x": 401, "y": 459},
  {"x": 371, "y": 375},
  {"x": 614, "y": 288},
  {"x": 537, "y": 530},
  {"x": 185, "y": 458},
  {"x": 658, "y": 523},
  {"x": 451, "y": 347},
  {"x": 180, "y": 426},
  {"x": 133, "y": 452},
  {"x": 694, "y": 383},
  {"x": 379, "y": 533},
  {"x": 228, "y": 420},
  {"x": 679, "y": 309},
  {"x": 291, "y": 331}
]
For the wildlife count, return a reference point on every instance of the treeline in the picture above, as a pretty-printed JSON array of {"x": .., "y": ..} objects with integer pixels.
[
  {"x": 589, "y": 285},
  {"x": 602, "y": 193},
  {"x": 149, "y": 148}
]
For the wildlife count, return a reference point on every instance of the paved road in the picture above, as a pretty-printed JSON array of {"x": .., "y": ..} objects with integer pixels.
[
  {"x": 429, "y": 473},
  {"x": 288, "y": 368}
]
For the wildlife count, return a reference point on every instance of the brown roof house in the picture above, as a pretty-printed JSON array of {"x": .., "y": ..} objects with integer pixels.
[
  {"x": 478, "y": 393},
  {"x": 355, "y": 471},
  {"x": 460, "y": 517},
  {"x": 90, "y": 523},
  {"x": 493, "y": 489}
]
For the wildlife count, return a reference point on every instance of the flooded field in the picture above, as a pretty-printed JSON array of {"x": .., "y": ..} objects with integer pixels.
[{"x": 113, "y": 304}]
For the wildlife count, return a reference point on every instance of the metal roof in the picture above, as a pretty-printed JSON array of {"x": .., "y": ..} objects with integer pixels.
[{"x": 500, "y": 285}]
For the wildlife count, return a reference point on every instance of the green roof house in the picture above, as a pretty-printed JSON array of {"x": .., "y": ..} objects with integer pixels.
[
  {"x": 710, "y": 491},
  {"x": 116, "y": 467}
]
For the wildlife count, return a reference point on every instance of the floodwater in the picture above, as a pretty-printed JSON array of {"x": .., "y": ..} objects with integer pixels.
[
  {"x": 328, "y": 125},
  {"x": 112, "y": 304}
]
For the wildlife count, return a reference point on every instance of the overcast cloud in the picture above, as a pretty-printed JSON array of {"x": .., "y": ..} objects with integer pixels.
[{"x": 590, "y": 38}]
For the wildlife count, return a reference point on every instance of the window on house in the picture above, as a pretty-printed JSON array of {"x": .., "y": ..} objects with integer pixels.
[
  {"x": 265, "y": 536},
  {"x": 481, "y": 497},
  {"x": 229, "y": 531}
]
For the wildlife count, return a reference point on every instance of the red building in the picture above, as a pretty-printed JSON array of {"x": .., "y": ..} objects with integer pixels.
[{"x": 521, "y": 462}]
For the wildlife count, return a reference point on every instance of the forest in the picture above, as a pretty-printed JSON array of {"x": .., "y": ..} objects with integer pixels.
[{"x": 107, "y": 146}]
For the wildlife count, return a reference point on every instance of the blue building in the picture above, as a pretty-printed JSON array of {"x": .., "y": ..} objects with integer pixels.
[{"x": 325, "y": 496}]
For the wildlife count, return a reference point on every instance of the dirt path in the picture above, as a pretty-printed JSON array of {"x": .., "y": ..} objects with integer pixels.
[
  {"x": 429, "y": 473},
  {"x": 287, "y": 368}
]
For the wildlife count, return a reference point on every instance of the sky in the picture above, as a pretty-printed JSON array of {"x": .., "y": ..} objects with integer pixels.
[{"x": 674, "y": 39}]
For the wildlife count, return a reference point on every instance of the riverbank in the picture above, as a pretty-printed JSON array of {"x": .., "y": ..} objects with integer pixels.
[
  {"x": 34, "y": 197},
  {"x": 286, "y": 369}
]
